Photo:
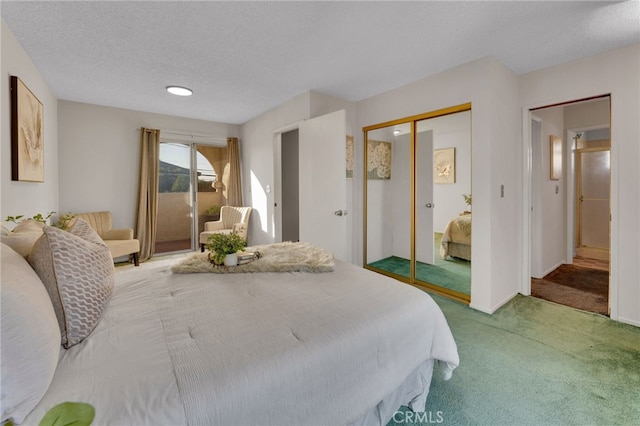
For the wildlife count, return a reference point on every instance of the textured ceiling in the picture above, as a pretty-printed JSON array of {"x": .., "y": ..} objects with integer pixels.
[{"x": 244, "y": 58}]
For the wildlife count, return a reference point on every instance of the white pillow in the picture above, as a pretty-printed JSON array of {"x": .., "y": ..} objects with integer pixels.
[
  {"x": 76, "y": 268},
  {"x": 30, "y": 337}
]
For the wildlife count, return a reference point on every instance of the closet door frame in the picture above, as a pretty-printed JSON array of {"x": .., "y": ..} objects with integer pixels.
[{"x": 412, "y": 120}]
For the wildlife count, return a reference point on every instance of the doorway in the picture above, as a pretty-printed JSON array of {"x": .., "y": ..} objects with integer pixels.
[
  {"x": 191, "y": 189},
  {"x": 570, "y": 204},
  {"x": 317, "y": 147},
  {"x": 290, "y": 188}
]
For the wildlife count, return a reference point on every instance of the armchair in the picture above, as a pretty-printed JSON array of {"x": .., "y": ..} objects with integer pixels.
[
  {"x": 232, "y": 219},
  {"x": 119, "y": 241}
]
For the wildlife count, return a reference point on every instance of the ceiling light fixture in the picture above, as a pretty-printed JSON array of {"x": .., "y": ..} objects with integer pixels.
[{"x": 180, "y": 91}]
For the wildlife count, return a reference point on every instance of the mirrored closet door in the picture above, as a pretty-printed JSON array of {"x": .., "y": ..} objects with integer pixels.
[{"x": 418, "y": 200}]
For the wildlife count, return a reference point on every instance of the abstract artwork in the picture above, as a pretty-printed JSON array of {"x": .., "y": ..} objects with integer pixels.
[
  {"x": 27, "y": 134},
  {"x": 378, "y": 160},
  {"x": 444, "y": 165}
]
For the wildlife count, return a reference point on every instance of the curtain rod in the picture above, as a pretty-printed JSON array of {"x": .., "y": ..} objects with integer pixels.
[{"x": 191, "y": 134}]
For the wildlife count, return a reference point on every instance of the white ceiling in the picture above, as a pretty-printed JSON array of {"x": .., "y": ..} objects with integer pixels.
[{"x": 244, "y": 58}]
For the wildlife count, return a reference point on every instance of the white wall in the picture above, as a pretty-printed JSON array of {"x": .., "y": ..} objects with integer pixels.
[
  {"x": 99, "y": 150},
  {"x": 493, "y": 91},
  {"x": 587, "y": 115},
  {"x": 27, "y": 198},
  {"x": 258, "y": 149},
  {"x": 549, "y": 229},
  {"x": 615, "y": 72}
]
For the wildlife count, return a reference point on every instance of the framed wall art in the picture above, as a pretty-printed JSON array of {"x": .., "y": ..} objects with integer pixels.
[
  {"x": 27, "y": 134},
  {"x": 444, "y": 165},
  {"x": 378, "y": 160},
  {"x": 349, "y": 157}
]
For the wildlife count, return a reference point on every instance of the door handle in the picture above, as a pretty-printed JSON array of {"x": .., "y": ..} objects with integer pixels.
[
  {"x": 341, "y": 213},
  {"x": 430, "y": 205}
]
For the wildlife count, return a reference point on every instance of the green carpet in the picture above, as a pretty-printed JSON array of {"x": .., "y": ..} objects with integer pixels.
[
  {"x": 536, "y": 363},
  {"x": 453, "y": 273}
]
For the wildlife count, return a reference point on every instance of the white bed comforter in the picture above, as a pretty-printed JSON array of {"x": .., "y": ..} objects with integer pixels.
[{"x": 270, "y": 348}]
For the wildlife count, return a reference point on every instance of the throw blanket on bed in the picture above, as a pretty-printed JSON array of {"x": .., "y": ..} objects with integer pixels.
[{"x": 280, "y": 257}]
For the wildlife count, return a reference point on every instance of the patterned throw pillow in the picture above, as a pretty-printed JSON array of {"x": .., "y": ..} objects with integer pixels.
[{"x": 76, "y": 267}]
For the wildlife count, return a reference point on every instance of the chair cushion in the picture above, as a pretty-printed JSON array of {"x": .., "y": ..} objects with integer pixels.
[
  {"x": 24, "y": 236},
  {"x": 30, "y": 337},
  {"x": 204, "y": 236},
  {"x": 120, "y": 248},
  {"x": 76, "y": 268}
]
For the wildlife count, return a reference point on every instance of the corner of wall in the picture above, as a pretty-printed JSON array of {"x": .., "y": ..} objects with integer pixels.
[{"x": 27, "y": 198}]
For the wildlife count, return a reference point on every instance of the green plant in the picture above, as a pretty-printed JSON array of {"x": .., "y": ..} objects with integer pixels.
[
  {"x": 67, "y": 413},
  {"x": 214, "y": 209},
  {"x": 64, "y": 221},
  {"x": 223, "y": 244},
  {"x": 37, "y": 217},
  {"x": 467, "y": 198}
]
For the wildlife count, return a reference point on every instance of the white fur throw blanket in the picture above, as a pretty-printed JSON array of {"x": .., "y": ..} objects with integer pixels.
[{"x": 279, "y": 257}]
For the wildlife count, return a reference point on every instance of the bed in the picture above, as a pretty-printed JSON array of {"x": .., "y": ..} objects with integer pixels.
[
  {"x": 342, "y": 347},
  {"x": 456, "y": 238}
]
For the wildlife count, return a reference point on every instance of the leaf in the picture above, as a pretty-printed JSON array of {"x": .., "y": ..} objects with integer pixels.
[{"x": 69, "y": 414}]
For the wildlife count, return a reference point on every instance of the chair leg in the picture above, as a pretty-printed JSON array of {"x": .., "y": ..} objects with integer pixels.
[{"x": 135, "y": 259}]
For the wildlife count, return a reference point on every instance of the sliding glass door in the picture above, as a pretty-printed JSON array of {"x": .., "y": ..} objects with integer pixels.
[
  {"x": 190, "y": 190},
  {"x": 417, "y": 222}
]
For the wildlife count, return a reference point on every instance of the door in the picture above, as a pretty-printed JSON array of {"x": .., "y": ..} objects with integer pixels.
[
  {"x": 322, "y": 182},
  {"x": 425, "y": 203},
  {"x": 191, "y": 190},
  {"x": 593, "y": 198},
  {"x": 174, "y": 224}
]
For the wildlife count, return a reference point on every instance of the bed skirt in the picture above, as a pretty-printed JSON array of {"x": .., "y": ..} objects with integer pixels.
[{"x": 412, "y": 392}]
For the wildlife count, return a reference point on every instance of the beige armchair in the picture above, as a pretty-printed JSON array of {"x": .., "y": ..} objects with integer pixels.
[
  {"x": 232, "y": 219},
  {"x": 119, "y": 241}
]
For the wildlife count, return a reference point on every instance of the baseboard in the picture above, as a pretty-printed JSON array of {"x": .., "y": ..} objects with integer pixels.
[
  {"x": 548, "y": 271},
  {"x": 553, "y": 268},
  {"x": 495, "y": 307},
  {"x": 629, "y": 321}
]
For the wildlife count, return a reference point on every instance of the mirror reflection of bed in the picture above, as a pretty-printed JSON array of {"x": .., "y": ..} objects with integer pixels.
[{"x": 455, "y": 241}]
